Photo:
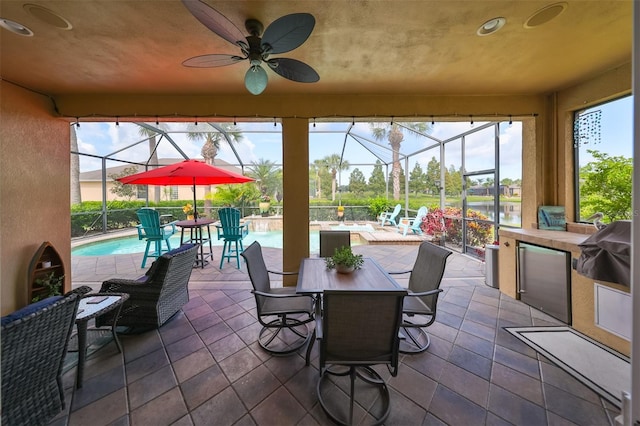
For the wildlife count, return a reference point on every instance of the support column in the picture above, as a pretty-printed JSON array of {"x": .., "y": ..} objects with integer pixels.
[{"x": 295, "y": 170}]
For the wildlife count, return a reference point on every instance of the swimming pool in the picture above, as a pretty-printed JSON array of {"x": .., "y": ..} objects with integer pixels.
[{"x": 129, "y": 245}]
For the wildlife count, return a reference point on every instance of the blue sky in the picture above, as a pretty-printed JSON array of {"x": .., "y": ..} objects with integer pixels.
[{"x": 263, "y": 140}]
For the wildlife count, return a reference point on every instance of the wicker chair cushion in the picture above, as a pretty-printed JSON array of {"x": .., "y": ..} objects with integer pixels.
[{"x": 29, "y": 309}]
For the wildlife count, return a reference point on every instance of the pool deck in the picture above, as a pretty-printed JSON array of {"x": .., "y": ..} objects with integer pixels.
[{"x": 93, "y": 270}]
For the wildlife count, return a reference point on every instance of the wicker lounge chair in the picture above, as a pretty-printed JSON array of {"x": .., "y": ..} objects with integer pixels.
[
  {"x": 34, "y": 346},
  {"x": 157, "y": 296}
]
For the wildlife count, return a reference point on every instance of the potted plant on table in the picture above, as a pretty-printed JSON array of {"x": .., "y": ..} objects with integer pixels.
[
  {"x": 344, "y": 260},
  {"x": 189, "y": 211}
]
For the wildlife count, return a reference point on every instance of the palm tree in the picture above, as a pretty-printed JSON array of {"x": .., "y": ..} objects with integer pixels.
[
  {"x": 153, "y": 152},
  {"x": 335, "y": 164},
  {"x": 76, "y": 196},
  {"x": 316, "y": 169},
  {"x": 265, "y": 173},
  {"x": 393, "y": 132},
  {"x": 212, "y": 141}
]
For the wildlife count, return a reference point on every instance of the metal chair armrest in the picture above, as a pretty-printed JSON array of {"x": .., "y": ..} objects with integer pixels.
[
  {"x": 275, "y": 295},
  {"x": 282, "y": 272},
  {"x": 398, "y": 272},
  {"x": 425, "y": 293}
]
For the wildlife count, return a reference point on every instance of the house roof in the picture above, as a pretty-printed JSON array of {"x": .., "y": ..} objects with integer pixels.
[{"x": 96, "y": 175}]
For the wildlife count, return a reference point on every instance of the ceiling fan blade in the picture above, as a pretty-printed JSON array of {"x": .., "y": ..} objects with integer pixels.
[
  {"x": 293, "y": 69},
  {"x": 288, "y": 32},
  {"x": 211, "y": 61},
  {"x": 214, "y": 20}
]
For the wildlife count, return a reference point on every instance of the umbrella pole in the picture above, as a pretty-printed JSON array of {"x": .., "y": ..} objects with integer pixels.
[{"x": 195, "y": 206}]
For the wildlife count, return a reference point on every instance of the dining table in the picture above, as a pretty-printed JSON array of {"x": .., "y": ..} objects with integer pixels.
[{"x": 314, "y": 277}]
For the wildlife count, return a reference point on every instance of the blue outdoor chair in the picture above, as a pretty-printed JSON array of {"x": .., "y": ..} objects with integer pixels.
[
  {"x": 232, "y": 232},
  {"x": 413, "y": 223},
  {"x": 390, "y": 217},
  {"x": 152, "y": 231}
]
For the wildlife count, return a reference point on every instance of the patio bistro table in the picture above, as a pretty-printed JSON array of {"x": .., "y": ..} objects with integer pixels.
[
  {"x": 195, "y": 227},
  {"x": 88, "y": 309},
  {"x": 314, "y": 278}
]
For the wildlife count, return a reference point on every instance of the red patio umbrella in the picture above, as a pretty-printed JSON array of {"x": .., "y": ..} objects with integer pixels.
[{"x": 187, "y": 172}]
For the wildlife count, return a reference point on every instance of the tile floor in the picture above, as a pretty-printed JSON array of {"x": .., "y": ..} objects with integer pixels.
[{"x": 204, "y": 366}]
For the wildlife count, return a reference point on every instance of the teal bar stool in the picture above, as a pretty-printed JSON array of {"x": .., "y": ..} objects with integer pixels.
[{"x": 232, "y": 232}]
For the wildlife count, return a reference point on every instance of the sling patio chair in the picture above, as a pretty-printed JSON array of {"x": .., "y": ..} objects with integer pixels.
[
  {"x": 358, "y": 329},
  {"x": 419, "y": 310},
  {"x": 151, "y": 230},
  {"x": 332, "y": 240},
  {"x": 282, "y": 313}
]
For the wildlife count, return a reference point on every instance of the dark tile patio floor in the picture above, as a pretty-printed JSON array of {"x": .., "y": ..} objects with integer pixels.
[{"x": 204, "y": 366}]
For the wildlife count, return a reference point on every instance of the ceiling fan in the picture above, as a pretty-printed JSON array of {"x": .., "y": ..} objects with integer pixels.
[{"x": 283, "y": 35}]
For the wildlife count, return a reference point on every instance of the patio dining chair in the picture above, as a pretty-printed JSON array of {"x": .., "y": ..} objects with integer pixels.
[
  {"x": 358, "y": 329},
  {"x": 282, "y": 313},
  {"x": 332, "y": 240},
  {"x": 151, "y": 230},
  {"x": 419, "y": 309}
]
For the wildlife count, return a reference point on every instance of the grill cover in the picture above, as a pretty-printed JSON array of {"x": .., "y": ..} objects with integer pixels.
[{"x": 606, "y": 255}]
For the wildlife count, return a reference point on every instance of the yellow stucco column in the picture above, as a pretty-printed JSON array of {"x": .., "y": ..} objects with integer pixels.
[{"x": 295, "y": 224}]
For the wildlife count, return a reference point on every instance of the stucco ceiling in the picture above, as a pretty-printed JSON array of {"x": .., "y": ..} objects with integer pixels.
[{"x": 357, "y": 46}]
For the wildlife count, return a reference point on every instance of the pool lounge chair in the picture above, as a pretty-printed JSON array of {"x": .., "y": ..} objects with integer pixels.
[
  {"x": 413, "y": 223},
  {"x": 390, "y": 218}
]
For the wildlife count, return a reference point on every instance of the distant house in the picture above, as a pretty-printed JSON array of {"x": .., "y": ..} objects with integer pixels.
[
  {"x": 91, "y": 183},
  {"x": 506, "y": 190}
]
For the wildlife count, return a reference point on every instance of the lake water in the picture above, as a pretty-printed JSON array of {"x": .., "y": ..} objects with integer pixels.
[{"x": 510, "y": 213}]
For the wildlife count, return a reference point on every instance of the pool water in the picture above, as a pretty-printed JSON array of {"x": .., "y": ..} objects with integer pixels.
[{"x": 128, "y": 245}]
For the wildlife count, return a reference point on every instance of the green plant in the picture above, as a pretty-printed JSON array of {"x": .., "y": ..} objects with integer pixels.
[
  {"x": 378, "y": 205},
  {"x": 52, "y": 285},
  {"x": 343, "y": 256}
]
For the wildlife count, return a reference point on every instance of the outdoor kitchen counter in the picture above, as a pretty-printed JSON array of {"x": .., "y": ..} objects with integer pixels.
[{"x": 583, "y": 289}]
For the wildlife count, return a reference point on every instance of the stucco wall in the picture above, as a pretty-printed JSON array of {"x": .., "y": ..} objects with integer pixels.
[{"x": 34, "y": 189}]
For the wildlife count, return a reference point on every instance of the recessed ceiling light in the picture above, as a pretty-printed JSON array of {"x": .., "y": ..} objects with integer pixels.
[
  {"x": 491, "y": 26},
  {"x": 48, "y": 16},
  {"x": 545, "y": 15},
  {"x": 15, "y": 27}
]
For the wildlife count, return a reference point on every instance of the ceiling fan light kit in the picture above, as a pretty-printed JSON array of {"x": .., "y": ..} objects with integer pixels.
[{"x": 283, "y": 35}]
